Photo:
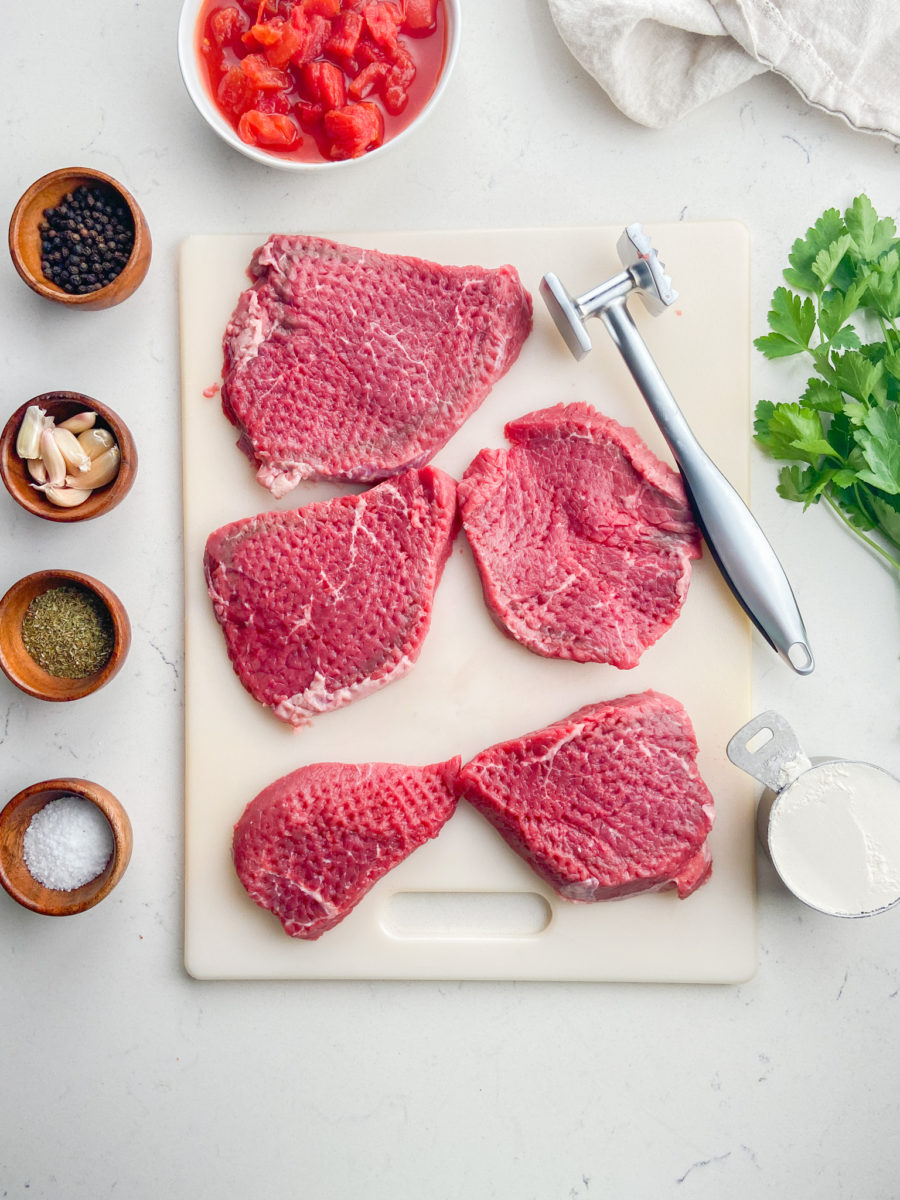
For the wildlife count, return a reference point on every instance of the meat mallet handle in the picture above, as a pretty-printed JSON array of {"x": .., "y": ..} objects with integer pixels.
[{"x": 740, "y": 548}]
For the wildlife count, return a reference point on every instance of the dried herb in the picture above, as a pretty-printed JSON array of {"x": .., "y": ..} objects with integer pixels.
[{"x": 68, "y": 631}]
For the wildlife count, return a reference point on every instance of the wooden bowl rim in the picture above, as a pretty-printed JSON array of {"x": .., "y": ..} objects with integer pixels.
[
  {"x": 102, "y": 500},
  {"x": 14, "y": 874},
  {"x": 128, "y": 279},
  {"x": 35, "y": 681}
]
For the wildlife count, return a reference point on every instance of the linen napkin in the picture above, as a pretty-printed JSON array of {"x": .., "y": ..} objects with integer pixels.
[{"x": 658, "y": 59}]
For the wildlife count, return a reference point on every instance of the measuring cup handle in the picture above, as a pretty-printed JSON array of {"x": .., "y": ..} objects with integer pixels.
[{"x": 776, "y": 759}]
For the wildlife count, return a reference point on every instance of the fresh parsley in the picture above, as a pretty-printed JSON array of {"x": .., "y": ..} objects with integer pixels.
[{"x": 842, "y": 436}]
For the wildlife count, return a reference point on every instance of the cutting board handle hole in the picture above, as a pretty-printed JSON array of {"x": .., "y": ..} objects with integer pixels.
[{"x": 476, "y": 915}]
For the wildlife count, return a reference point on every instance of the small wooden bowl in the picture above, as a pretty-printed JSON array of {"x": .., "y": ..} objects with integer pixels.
[
  {"x": 60, "y": 406},
  {"x": 18, "y": 665},
  {"x": 14, "y": 874},
  {"x": 25, "y": 238}
]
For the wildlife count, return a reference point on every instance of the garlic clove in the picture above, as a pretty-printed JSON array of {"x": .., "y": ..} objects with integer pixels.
[
  {"x": 36, "y": 469},
  {"x": 79, "y": 423},
  {"x": 73, "y": 453},
  {"x": 52, "y": 459},
  {"x": 96, "y": 441},
  {"x": 103, "y": 470},
  {"x": 67, "y": 497},
  {"x": 29, "y": 436}
]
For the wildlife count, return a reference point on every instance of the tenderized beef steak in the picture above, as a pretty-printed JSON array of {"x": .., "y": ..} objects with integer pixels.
[
  {"x": 583, "y": 537},
  {"x": 605, "y": 803},
  {"x": 310, "y": 845},
  {"x": 342, "y": 363},
  {"x": 324, "y": 604}
]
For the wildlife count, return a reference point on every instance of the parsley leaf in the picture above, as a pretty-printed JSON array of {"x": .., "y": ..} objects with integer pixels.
[
  {"x": 822, "y": 396},
  {"x": 826, "y": 230},
  {"x": 792, "y": 321},
  {"x": 796, "y": 483},
  {"x": 830, "y": 258},
  {"x": 879, "y": 440},
  {"x": 884, "y": 286},
  {"x": 871, "y": 236},
  {"x": 859, "y": 377},
  {"x": 838, "y": 307},
  {"x": 887, "y": 514},
  {"x": 841, "y": 439},
  {"x": 790, "y": 431}
]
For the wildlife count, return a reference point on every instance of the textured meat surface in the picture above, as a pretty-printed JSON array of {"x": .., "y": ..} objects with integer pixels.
[
  {"x": 343, "y": 363},
  {"x": 583, "y": 537},
  {"x": 605, "y": 803},
  {"x": 310, "y": 845},
  {"x": 324, "y": 604}
]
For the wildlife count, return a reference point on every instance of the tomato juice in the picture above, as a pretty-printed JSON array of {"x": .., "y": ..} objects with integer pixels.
[{"x": 320, "y": 79}]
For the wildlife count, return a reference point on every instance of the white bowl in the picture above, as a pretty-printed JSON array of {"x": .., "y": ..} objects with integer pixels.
[{"x": 193, "y": 81}]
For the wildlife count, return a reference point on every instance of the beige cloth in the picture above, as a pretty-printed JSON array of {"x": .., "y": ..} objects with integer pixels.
[{"x": 658, "y": 59}]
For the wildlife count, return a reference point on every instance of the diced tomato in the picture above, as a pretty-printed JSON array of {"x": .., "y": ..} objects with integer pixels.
[
  {"x": 273, "y": 102},
  {"x": 263, "y": 76},
  {"x": 290, "y": 40},
  {"x": 349, "y": 67},
  {"x": 225, "y": 23},
  {"x": 265, "y": 33},
  {"x": 268, "y": 129},
  {"x": 309, "y": 114},
  {"x": 367, "y": 52},
  {"x": 324, "y": 82},
  {"x": 314, "y": 32},
  {"x": 368, "y": 80},
  {"x": 395, "y": 99},
  {"x": 420, "y": 15},
  {"x": 321, "y": 32},
  {"x": 382, "y": 21},
  {"x": 340, "y": 71},
  {"x": 354, "y": 129},
  {"x": 325, "y": 8},
  {"x": 235, "y": 92},
  {"x": 344, "y": 37},
  {"x": 400, "y": 75},
  {"x": 394, "y": 95}
]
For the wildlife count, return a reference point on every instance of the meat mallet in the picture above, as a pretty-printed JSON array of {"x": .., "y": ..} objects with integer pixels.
[{"x": 738, "y": 545}]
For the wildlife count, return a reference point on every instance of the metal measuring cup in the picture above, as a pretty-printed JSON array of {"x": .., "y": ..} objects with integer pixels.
[{"x": 831, "y": 825}]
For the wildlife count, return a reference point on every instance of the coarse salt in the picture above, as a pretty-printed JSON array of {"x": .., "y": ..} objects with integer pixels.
[{"x": 67, "y": 843}]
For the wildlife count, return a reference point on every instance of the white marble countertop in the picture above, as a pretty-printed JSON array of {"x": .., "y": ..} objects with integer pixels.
[{"x": 124, "y": 1077}]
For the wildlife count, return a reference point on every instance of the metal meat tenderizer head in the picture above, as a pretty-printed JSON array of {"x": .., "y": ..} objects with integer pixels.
[{"x": 740, "y": 548}]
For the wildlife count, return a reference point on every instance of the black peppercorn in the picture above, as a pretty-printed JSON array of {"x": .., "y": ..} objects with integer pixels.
[{"x": 86, "y": 240}]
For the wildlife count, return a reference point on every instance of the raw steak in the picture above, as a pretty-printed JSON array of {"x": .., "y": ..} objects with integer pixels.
[
  {"x": 582, "y": 536},
  {"x": 342, "y": 363},
  {"x": 310, "y": 845},
  {"x": 327, "y": 603},
  {"x": 605, "y": 803}
]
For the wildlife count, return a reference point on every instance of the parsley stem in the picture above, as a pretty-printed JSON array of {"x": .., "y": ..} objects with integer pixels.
[
  {"x": 873, "y": 545},
  {"x": 886, "y": 333}
]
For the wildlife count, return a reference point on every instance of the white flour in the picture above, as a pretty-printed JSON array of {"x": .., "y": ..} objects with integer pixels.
[{"x": 834, "y": 837}]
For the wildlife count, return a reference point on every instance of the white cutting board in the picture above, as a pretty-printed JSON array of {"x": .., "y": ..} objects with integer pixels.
[{"x": 465, "y": 906}]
